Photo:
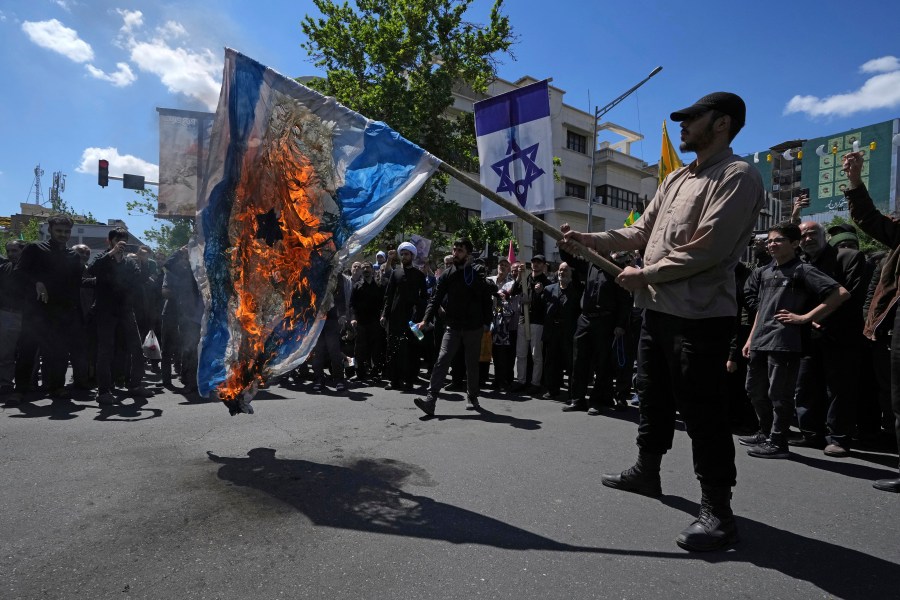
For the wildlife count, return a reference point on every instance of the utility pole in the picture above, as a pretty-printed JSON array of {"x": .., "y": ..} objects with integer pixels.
[{"x": 598, "y": 113}]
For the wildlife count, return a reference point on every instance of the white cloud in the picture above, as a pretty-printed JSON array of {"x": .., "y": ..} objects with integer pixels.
[
  {"x": 171, "y": 30},
  {"x": 66, "y": 5},
  {"x": 181, "y": 70},
  {"x": 55, "y": 36},
  {"x": 132, "y": 19},
  {"x": 2, "y": 17},
  {"x": 118, "y": 164},
  {"x": 878, "y": 92},
  {"x": 123, "y": 77},
  {"x": 885, "y": 64}
]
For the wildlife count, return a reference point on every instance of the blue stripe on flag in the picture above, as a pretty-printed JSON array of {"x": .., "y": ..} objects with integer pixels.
[
  {"x": 374, "y": 177},
  {"x": 512, "y": 108},
  {"x": 245, "y": 88}
]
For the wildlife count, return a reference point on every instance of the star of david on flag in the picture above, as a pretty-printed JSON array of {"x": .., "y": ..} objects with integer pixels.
[{"x": 515, "y": 149}]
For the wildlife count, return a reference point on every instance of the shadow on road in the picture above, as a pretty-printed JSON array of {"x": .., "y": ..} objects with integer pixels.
[
  {"x": 366, "y": 495},
  {"x": 841, "y": 572},
  {"x": 489, "y": 417},
  {"x": 849, "y": 469},
  {"x": 59, "y": 410},
  {"x": 128, "y": 413}
]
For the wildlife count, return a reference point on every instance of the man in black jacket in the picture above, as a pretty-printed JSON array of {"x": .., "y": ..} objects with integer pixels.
[
  {"x": 403, "y": 300},
  {"x": 826, "y": 394},
  {"x": 119, "y": 279},
  {"x": 605, "y": 310},
  {"x": 53, "y": 324},
  {"x": 13, "y": 294},
  {"x": 467, "y": 314},
  {"x": 562, "y": 300},
  {"x": 366, "y": 301}
]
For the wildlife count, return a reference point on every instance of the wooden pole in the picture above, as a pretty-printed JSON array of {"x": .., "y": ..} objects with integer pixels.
[{"x": 583, "y": 251}]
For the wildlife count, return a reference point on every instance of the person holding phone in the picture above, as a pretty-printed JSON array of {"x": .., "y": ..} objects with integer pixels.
[{"x": 118, "y": 279}]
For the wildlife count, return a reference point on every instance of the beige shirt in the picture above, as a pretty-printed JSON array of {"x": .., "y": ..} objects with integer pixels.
[{"x": 692, "y": 235}]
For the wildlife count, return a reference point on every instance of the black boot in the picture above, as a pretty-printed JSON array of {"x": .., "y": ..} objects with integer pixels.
[
  {"x": 715, "y": 528},
  {"x": 888, "y": 485},
  {"x": 642, "y": 478}
]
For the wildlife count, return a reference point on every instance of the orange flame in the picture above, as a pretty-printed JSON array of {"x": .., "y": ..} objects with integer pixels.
[{"x": 263, "y": 273}]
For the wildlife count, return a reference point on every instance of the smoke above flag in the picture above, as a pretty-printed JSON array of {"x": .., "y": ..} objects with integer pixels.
[
  {"x": 515, "y": 149},
  {"x": 295, "y": 184},
  {"x": 668, "y": 160}
]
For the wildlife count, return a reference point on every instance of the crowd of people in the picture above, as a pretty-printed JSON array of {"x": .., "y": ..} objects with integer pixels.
[
  {"x": 60, "y": 308},
  {"x": 811, "y": 323}
]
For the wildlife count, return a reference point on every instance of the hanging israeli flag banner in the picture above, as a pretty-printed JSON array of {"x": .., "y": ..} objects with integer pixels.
[{"x": 515, "y": 149}]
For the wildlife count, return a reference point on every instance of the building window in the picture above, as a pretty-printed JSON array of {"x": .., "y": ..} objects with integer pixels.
[
  {"x": 616, "y": 197},
  {"x": 576, "y": 142},
  {"x": 576, "y": 189}
]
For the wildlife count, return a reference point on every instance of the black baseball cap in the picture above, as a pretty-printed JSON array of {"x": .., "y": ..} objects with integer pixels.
[
  {"x": 539, "y": 258},
  {"x": 724, "y": 102}
]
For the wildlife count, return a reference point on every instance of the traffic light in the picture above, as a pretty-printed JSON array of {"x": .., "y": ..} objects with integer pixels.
[{"x": 103, "y": 173}]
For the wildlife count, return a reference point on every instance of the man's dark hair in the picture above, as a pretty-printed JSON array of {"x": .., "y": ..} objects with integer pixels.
[
  {"x": 463, "y": 243},
  {"x": 60, "y": 220},
  {"x": 789, "y": 230},
  {"x": 734, "y": 126},
  {"x": 117, "y": 233}
]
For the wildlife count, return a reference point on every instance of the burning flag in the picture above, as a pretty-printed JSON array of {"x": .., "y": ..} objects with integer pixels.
[{"x": 295, "y": 184}]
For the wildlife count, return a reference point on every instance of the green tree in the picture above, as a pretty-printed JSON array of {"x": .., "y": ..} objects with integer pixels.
[
  {"x": 867, "y": 243},
  {"x": 31, "y": 232},
  {"x": 398, "y": 61},
  {"x": 163, "y": 237},
  {"x": 496, "y": 234}
]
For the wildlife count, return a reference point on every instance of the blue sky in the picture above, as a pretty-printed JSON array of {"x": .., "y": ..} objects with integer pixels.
[{"x": 84, "y": 78}]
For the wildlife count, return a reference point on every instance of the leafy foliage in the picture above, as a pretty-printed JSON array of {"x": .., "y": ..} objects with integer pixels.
[
  {"x": 398, "y": 61},
  {"x": 867, "y": 244},
  {"x": 497, "y": 234},
  {"x": 164, "y": 237}
]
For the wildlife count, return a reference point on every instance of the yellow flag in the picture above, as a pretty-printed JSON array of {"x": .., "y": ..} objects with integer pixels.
[
  {"x": 632, "y": 218},
  {"x": 668, "y": 160}
]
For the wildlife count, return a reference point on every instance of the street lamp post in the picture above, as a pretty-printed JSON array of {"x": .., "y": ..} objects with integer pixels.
[{"x": 599, "y": 112}]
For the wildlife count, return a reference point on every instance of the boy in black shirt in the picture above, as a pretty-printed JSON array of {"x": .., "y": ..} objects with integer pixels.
[{"x": 792, "y": 294}]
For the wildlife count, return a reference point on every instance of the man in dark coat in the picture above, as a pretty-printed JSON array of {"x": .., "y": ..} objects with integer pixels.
[{"x": 404, "y": 299}]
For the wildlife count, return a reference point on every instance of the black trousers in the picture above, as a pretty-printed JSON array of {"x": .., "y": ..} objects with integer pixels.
[
  {"x": 895, "y": 375},
  {"x": 559, "y": 346},
  {"x": 681, "y": 366},
  {"x": 592, "y": 346},
  {"x": 826, "y": 389},
  {"x": 368, "y": 350}
]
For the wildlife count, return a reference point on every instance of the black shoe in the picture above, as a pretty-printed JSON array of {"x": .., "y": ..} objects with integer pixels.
[
  {"x": 888, "y": 485},
  {"x": 715, "y": 527},
  {"x": 390, "y": 386},
  {"x": 573, "y": 407},
  {"x": 472, "y": 405},
  {"x": 768, "y": 449},
  {"x": 634, "y": 480},
  {"x": 517, "y": 387},
  {"x": 426, "y": 404},
  {"x": 753, "y": 440},
  {"x": 593, "y": 411}
]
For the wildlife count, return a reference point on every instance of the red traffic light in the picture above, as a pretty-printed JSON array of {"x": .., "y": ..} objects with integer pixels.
[{"x": 103, "y": 173}]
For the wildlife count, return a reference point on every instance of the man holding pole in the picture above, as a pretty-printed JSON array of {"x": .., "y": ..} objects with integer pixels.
[{"x": 691, "y": 236}]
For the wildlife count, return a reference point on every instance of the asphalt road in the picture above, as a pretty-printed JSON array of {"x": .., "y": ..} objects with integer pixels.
[{"x": 358, "y": 496}]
